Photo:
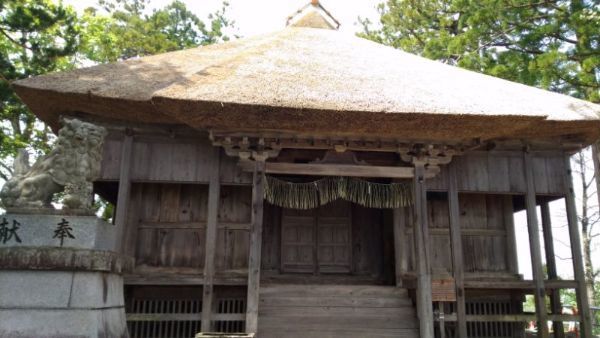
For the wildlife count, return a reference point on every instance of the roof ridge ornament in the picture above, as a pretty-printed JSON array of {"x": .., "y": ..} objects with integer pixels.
[{"x": 313, "y": 15}]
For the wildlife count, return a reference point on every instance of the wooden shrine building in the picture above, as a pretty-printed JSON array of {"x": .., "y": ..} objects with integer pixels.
[{"x": 308, "y": 183}]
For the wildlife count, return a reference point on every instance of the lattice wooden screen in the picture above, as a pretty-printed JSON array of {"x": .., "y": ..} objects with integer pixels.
[{"x": 172, "y": 312}]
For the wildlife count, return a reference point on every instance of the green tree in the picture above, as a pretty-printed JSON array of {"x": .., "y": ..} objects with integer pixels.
[
  {"x": 552, "y": 44},
  {"x": 128, "y": 32},
  {"x": 36, "y": 37}
]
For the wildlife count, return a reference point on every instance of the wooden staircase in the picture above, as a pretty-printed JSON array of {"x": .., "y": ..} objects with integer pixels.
[{"x": 331, "y": 311}]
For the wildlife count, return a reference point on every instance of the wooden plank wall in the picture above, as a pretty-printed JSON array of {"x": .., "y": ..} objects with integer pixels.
[
  {"x": 484, "y": 223},
  {"x": 502, "y": 172},
  {"x": 169, "y": 160},
  {"x": 170, "y": 227}
]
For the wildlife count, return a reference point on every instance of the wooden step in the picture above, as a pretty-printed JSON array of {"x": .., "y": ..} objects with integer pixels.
[
  {"x": 377, "y": 302},
  {"x": 301, "y": 310},
  {"x": 355, "y": 333},
  {"x": 331, "y": 290}
]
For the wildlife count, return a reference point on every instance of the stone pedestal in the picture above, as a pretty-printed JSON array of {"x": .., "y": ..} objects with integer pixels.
[{"x": 49, "y": 290}]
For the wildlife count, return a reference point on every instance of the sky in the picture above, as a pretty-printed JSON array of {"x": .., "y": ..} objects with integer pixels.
[{"x": 263, "y": 16}]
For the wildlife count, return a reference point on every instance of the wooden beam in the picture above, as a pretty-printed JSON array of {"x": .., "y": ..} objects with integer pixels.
[
  {"x": 124, "y": 192},
  {"x": 421, "y": 240},
  {"x": 519, "y": 284},
  {"x": 457, "y": 250},
  {"x": 555, "y": 303},
  {"x": 338, "y": 170},
  {"x": 512, "y": 318},
  {"x": 535, "y": 247},
  {"x": 254, "y": 257},
  {"x": 583, "y": 303},
  {"x": 400, "y": 244},
  {"x": 214, "y": 187}
]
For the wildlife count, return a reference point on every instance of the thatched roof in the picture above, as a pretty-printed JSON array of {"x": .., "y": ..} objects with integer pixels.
[{"x": 311, "y": 80}]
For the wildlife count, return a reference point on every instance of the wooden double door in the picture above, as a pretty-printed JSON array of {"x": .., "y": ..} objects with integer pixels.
[{"x": 317, "y": 240}]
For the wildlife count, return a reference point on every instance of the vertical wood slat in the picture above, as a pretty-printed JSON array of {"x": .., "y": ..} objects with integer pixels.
[
  {"x": 555, "y": 303},
  {"x": 421, "y": 238},
  {"x": 399, "y": 244},
  {"x": 535, "y": 247},
  {"x": 512, "y": 261},
  {"x": 254, "y": 257},
  {"x": 124, "y": 190},
  {"x": 582, "y": 300},
  {"x": 210, "y": 243},
  {"x": 456, "y": 250}
]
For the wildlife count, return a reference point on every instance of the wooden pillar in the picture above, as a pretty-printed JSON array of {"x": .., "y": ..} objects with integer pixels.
[
  {"x": 214, "y": 188},
  {"x": 535, "y": 248},
  {"x": 400, "y": 244},
  {"x": 583, "y": 304},
  {"x": 254, "y": 257},
  {"x": 511, "y": 234},
  {"x": 555, "y": 304},
  {"x": 457, "y": 251},
  {"x": 123, "y": 193},
  {"x": 421, "y": 238}
]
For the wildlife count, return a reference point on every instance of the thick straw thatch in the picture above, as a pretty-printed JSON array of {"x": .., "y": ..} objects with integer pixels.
[{"x": 311, "y": 80}]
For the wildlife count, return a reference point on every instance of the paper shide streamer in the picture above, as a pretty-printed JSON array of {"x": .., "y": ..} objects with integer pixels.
[{"x": 309, "y": 195}]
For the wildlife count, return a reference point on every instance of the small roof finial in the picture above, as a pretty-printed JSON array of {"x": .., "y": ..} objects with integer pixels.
[{"x": 313, "y": 15}]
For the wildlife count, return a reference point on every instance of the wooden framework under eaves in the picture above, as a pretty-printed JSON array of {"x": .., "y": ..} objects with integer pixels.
[{"x": 194, "y": 135}]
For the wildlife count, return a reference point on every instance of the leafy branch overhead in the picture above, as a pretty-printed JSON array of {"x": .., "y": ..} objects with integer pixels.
[
  {"x": 41, "y": 36},
  {"x": 548, "y": 44}
]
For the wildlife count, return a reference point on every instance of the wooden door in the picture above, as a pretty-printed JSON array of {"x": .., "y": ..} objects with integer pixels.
[
  {"x": 317, "y": 241},
  {"x": 298, "y": 240}
]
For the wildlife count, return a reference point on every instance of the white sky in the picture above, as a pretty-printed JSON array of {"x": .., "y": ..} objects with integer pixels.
[{"x": 262, "y": 16}]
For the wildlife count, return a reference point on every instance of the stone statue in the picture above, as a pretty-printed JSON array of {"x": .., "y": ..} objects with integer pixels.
[{"x": 71, "y": 166}]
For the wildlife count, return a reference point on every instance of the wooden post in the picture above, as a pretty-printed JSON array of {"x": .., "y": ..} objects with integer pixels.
[
  {"x": 214, "y": 188},
  {"x": 123, "y": 193},
  {"x": 254, "y": 257},
  {"x": 421, "y": 238},
  {"x": 457, "y": 251},
  {"x": 555, "y": 304},
  {"x": 583, "y": 304},
  {"x": 535, "y": 248},
  {"x": 400, "y": 244},
  {"x": 511, "y": 235}
]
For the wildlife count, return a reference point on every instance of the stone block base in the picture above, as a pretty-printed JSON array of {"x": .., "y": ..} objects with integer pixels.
[{"x": 61, "y": 304}]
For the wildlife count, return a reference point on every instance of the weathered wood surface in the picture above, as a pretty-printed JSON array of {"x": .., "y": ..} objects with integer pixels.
[
  {"x": 210, "y": 244},
  {"x": 255, "y": 250},
  {"x": 502, "y": 172},
  {"x": 167, "y": 227},
  {"x": 340, "y": 170},
  {"x": 335, "y": 311},
  {"x": 122, "y": 206},
  {"x": 486, "y": 228},
  {"x": 422, "y": 252},
  {"x": 456, "y": 250},
  {"x": 170, "y": 160},
  {"x": 535, "y": 246}
]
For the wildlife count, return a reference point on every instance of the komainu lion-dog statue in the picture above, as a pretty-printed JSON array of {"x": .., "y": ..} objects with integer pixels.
[{"x": 71, "y": 166}]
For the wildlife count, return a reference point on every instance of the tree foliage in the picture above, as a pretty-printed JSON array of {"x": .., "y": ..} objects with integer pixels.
[
  {"x": 128, "y": 32},
  {"x": 552, "y": 44},
  {"x": 41, "y": 36},
  {"x": 36, "y": 37}
]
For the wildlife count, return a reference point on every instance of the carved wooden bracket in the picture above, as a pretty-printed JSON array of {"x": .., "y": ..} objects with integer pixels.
[
  {"x": 255, "y": 146},
  {"x": 430, "y": 155},
  {"x": 246, "y": 148}
]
